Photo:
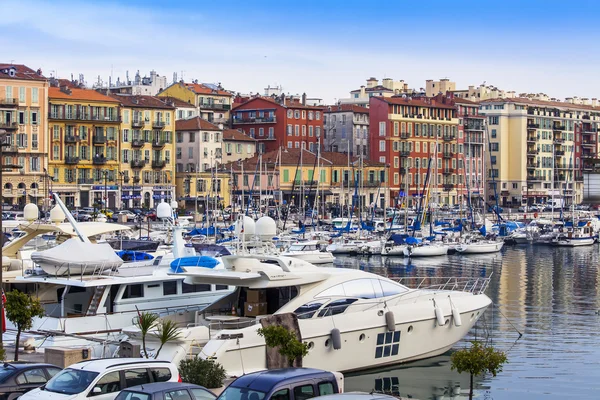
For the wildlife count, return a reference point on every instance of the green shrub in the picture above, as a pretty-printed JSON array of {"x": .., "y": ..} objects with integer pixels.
[{"x": 202, "y": 372}]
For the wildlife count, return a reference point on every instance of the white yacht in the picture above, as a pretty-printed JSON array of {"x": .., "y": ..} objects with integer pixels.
[
  {"x": 350, "y": 319},
  {"x": 426, "y": 249},
  {"x": 310, "y": 251},
  {"x": 479, "y": 245},
  {"x": 575, "y": 236}
]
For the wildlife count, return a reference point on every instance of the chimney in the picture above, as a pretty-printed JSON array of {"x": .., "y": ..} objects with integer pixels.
[
  {"x": 304, "y": 99},
  {"x": 363, "y": 93},
  {"x": 594, "y": 102},
  {"x": 39, "y": 72}
]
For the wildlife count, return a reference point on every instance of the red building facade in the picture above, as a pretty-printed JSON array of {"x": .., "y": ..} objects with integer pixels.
[
  {"x": 417, "y": 140},
  {"x": 276, "y": 122}
]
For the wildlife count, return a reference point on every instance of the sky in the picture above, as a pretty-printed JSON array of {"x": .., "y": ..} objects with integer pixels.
[{"x": 322, "y": 48}]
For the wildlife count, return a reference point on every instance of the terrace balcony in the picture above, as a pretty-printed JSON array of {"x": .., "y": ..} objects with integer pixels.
[
  {"x": 559, "y": 153},
  {"x": 137, "y": 123},
  {"x": 404, "y": 153},
  {"x": 449, "y": 138},
  {"x": 255, "y": 120},
  {"x": 448, "y": 154},
  {"x": 533, "y": 165},
  {"x": 99, "y": 139},
  {"x": 71, "y": 139},
  {"x": 137, "y": 143},
  {"x": 404, "y": 135},
  {"x": 158, "y": 124},
  {"x": 532, "y": 151},
  {"x": 557, "y": 128},
  {"x": 158, "y": 144},
  {"x": 533, "y": 126},
  {"x": 448, "y": 186},
  {"x": 158, "y": 163},
  {"x": 532, "y": 138},
  {"x": 9, "y": 102},
  {"x": 70, "y": 160},
  {"x": 99, "y": 160},
  {"x": 9, "y": 126},
  {"x": 138, "y": 163},
  {"x": 214, "y": 106},
  {"x": 85, "y": 181},
  {"x": 535, "y": 178},
  {"x": 448, "y": 171}
]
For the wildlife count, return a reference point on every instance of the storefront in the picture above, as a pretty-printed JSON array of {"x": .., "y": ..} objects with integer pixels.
[
  {"x": 160, "y": 194},
  {"x": 131, "y": 197},
  {"x": 105, "y": 195}
]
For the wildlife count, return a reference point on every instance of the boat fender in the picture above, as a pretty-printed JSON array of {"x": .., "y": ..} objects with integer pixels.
[
  {"x": 456, "y": 316},
  {"x": 336, "y": 339},
  {"x": 390, "y": 321},
  {"x": 439, "y": 315}
]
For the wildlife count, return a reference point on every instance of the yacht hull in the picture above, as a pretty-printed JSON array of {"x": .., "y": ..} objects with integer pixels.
[
  {"x": 366, "y": 341},
  {"x": 393, "y": 251},
  {"x": 317, "y": 257},
  {"x": 425, "y": 251},
  {"x": 575, "y": 242},
  {"x": 479, "y": 248}
]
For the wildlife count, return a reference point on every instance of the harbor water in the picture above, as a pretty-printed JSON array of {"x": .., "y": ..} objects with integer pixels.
[{"x": 549, "y": 294}]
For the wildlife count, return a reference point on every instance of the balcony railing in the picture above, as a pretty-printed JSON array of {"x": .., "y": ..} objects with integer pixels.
[
  {"x": 214, "y": 106},
  {"x": 448, "y": 154},
  {"x": 85, "y": 181},
  {"x": 532, "y": 152},
  {"x": 70, "y": 160},
  {"x": 137, "y": 163},
  {"x": 10, "y": 149},
  {"x": 136, "y": 179},
  {"x": 99, "y": 139},
  {"x": 559, "y": 153},
  {"x": 558, "y": 127},
  {"x": 137, "y": 143},
  {"x": 474, "y": 127},
  {"x": 533, "y": 165},
  {"x": 563, "y": 166},
  {"x": 71, "y": 139},
  {"x": 449, "y": 138},
  {"x": 535, "y": 178},
  {"x": 158, "y": 164},
  {"x": 158, "y": 143},
  {"x": 11, "y": 101},
  {"x": 80, "y": 116},
  {"x": 404, "y": 153},
  {"x": 532, "y": 138},
  {"x": 448, "y": 186},
  {"x": 253, "y": 120},
  {"x": 533, "y": 126},
  {"x": 404, "y": 135},
  {"x": 559, "y": 140},
  {"x": 8, "y": 125},
  {"x": 158, "y": 124},
  {"x": 137, "y": 123},
  {"x": 448, "y": 171},
  {"x": 589, "y": 143},
  {"x": 99, "y": 160}
]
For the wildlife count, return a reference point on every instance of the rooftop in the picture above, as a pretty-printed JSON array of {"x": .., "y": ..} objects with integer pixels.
[
  {"x": 236, "y": 136},
  {"x": 418, "y": 101},
  {"x": 129, "y": 100},
  {"x": 79, "y": 94},
  {"x": 287, "y": 103},
  {"x": 195, "y": 124},
  {"x": 346, "y": 108},
  {"x": 200, "y": 88},
  {"x": 21, "y": 72},
  {"x": 175, "y": 102},
  {"x": 543, "y": 103}
]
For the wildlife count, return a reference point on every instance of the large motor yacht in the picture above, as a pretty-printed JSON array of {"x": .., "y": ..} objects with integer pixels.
[{"x": 350, "y": 319}]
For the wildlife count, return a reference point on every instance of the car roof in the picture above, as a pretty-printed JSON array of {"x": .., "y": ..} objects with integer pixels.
[
  {"x": 99, "y": 365},
  {"x": 160, "y": 386},
  {"x": 264, "y": 381},
  {"x": 25, "y": 365}
]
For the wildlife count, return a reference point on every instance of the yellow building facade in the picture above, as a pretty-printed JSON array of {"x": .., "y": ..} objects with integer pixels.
[
  {"x": 147, "y": 162},
  {"x": 212, "y": 103},
  {"x": 83, "y": 130},
  {"x": 196, "y": 191},
  {"x": 23, "y": 111}
]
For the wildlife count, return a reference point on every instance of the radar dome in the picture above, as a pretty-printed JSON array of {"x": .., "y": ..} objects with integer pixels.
[
  {"x": 266, "y": 228},
  {"x": 31, "y": 212},
  {"x": 174, "y": 205},
  {"x": 164, "y": 210},
  {"x": 57, "y": 215},
  {"x": 246, "y": 224}
]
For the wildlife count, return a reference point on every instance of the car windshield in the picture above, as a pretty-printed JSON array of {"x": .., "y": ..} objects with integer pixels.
[
  {"x": 237, "y": 393},
  {"x": 5, "y": 372},
  {"x": 70, "y": 381},
  {"x": 127, "y": 395}
]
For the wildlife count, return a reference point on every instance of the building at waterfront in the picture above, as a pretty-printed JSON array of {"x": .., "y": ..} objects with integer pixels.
[
  {"x": 540, "y": 147},
  {"x": 212, "y": 103},
  {"x": 146, "y": 162},
  {"x": 279, "y": 121},
  {"x": 83, "y": 129},
  {"x": 23, "y": 115},
  {"x": 198, "y": 145},
  {"x": 204, "y": 190},
  {"x": 322, "y": 180},
  {"x": 417, "y": 139},
  {"x": 346, "y": 129},
  {"x": 237, "y": 146}
]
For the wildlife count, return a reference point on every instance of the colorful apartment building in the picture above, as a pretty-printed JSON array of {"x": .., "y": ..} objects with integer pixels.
[
  {"x": 417, "y": 139},
  {"x": 199, "y": 191},
  {"x": 198, "y": 145},
  {"x": 212, "y": 103},
  {"x": 83, "y": 130},
  {"x": 539, "y": 148},
  {"x": 279, "y": 121},
  {"x": 290, "y": 175},
  {"x": 237, "y": 146},
  {"x": 346, "y": 129},
  {"x": 23, "y": 110},
  {"x": 146, "y": 158}
]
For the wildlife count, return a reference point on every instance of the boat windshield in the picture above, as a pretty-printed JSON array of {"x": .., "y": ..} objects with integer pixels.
[
  {"x": 241, "y": 393},
  {"x": 296, "y": 247},
  {"x": 70, "y": 381}
]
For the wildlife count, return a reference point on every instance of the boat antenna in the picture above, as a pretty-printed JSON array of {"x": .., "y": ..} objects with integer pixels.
[{"x": 70, "y": 218}]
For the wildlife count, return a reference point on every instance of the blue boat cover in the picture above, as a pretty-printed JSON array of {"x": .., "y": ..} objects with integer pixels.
[
  {"x": 193, "y": 261},
  {"x": 130, "y": 255}
]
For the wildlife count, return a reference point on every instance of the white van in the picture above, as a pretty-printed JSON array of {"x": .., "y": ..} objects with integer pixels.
[{"x": 103, "y": 379}]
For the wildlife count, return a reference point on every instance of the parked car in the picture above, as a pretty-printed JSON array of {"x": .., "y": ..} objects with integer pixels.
[
  {"x": 285, "y": 383},
  {"x": 103, "y": 379},
  {"x": 17, "y": 379},
  {"x": 166, "y": 390},
  {"x": 130, "y": 216},
  {"x": 108, "y": 212},
  {"x": 151, "y": 215},
  {"x": 532, "y": 208},
  {"x": 82, "y": 216},
  {"x": 356, "y": 396}
]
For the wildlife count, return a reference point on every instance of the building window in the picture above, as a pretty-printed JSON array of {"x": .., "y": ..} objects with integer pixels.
[
  {"x": 297, "y": 114},
  {"x": 382, "y": 129},
  {"x": 290, "y": 113},
  {"x": 493, "y": 134},
  {"x": 382, "y": 145},
  {"x": 493, "y": 120}
]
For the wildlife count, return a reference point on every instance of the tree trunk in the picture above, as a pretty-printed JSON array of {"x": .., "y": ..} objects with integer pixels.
[
  {"x": 144, "y": 344},
  {"x": 17, "y": 343},
  {"x": 158, "y": 351},
  {"x": 471, "y": 389}
]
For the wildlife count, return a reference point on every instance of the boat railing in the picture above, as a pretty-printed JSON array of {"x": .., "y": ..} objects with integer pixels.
[{"x": 474, "y": 285}]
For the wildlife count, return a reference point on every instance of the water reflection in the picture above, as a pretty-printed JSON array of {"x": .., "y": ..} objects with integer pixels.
[
  {"x": 550, "y": 294},
  {"x": 425, "y": 379}
]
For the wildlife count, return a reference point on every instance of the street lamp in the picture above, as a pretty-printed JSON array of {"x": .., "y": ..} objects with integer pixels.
[
  {"x": 105, "y": 174},
  {"x": 121, "y": 180}
]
